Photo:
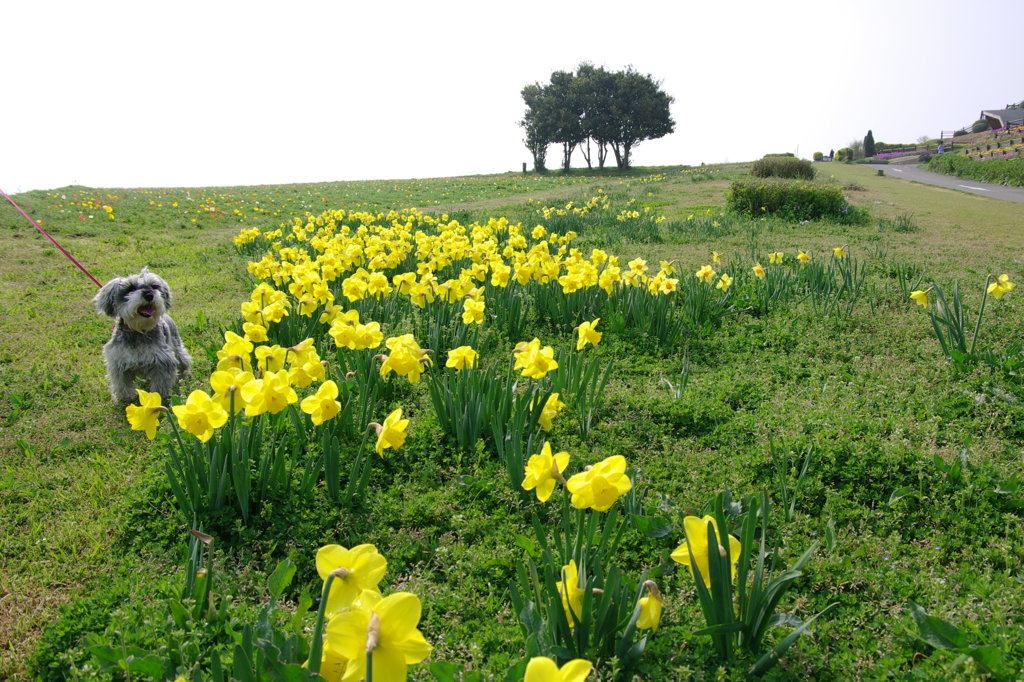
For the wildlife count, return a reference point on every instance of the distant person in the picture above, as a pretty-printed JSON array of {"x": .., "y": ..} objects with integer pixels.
[{"x": 832, "y": 155}]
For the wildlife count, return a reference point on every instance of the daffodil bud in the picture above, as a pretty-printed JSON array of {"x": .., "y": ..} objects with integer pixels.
[
  {"x": 597, "y": 590},
  {"x": 202, "y": 537},
  {"x": 721, "y": 551},
  {"x": 373, "y": 632},
  {"x": 349, "y": 375}
]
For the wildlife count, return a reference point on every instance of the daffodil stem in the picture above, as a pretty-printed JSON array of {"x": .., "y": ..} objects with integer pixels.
[
  {"x": 981, "y": 311},
  {"x": 316, "y": 646},
  {"x": 369, "y": 666}
]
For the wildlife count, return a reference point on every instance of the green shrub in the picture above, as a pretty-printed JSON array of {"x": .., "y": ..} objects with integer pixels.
[
  {"x": 783, "y": 167},
  {"x": 818, "y": 156},
  {"x": 999, "y": 171},
  {"x": 844, "y": 154},
  {"x": 792, "y": 200}
]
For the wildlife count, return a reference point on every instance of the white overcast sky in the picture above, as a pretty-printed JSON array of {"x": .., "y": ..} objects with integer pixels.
[{"x": 154, "y": 93}]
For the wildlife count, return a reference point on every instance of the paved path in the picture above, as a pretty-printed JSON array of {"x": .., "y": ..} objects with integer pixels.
[{"x": 952, "y": 182}]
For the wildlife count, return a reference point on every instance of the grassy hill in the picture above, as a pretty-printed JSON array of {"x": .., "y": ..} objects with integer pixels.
[{"x": 911, "y": 487}]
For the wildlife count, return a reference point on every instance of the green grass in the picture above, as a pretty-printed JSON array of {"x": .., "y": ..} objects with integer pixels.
[{"x": 87, "y": 518}]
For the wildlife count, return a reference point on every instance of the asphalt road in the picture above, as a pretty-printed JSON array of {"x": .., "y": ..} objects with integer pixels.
[{"x": 915, "y": 174}]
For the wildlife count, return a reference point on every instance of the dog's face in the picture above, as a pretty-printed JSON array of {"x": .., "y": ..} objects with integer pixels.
[{"x": 139, "y": 300}]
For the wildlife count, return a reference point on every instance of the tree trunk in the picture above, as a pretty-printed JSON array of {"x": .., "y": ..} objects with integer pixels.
[
  {"x": 587, "y": 153},
  {"x": 567, "y": 155},
  {"x": 602, "y": 153},
  {"x": 618, "y": 155},
  {"x": 626, "y": 149}
]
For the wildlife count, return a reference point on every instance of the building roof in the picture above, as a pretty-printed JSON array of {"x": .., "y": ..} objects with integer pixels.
[{"x": 1004, "y": 116}]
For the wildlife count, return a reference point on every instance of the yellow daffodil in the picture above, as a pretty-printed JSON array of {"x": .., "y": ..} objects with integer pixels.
[
  {"x": 357, "y": 569},
  {"x": 715, "y": 258},
  {"x": 200, "y": 415},
  {"x": 227, "y": 387},
  {"x": 322, "y": 405},
  {"x": 601, "y": 485},
  {"x": 724, "y": 282},
  {"x": 588, "y": 334},
  {"x": 571, "y": 593},
  {"x": 330, "y": 313},
  {"x": 390, "y": 434},
  {"x": 473, "y": 312},
  {"x": 270, "y": 358},
  {"x": 236, "y": 351},
  {"x": 776, "y": 258},
  {"x": 696, "y": 554},
  {"x": 706, "y": 274},
  {"x": 146, "y": 415},
  {"x": 256, "y": 333},
  {"x": 803, "y": 257},
  {"x": 404, "y": 362},
  {"x": 332, "y": 665},
  {"x": 533, "y": 360},
  {"x": 550, "y": 410},
  {"x": 920, "y": 297},
  {"x": 650, "y": 608},
  {"x": 1001, "y": 286},
  {"x": 271, "y": 394},
  {"x": 758, "y": 271},
  {"x": 407, "y": 359},
  {"x": 385, "y": 628},
  {"x": 839, "y": 252},
  {"x": 543, "y": 470},
  {"x": 461, "y": 358},
  {"x": 543, "y": 669}
]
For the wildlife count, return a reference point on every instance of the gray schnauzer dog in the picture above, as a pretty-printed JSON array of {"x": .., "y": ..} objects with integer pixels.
[{"x": 145, "y": 343}]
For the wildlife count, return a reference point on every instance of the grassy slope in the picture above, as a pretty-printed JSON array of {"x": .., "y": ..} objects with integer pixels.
[{"x": 872, "y": 394}]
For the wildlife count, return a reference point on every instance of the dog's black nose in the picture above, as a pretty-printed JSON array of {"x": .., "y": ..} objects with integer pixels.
[{"x": 148, "y": 295}]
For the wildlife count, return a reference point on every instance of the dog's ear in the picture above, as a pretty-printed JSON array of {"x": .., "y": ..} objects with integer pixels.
[{"x": 106, "y": 300}]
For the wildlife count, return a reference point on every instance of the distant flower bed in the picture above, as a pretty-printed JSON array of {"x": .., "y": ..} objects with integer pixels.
[{"x": 890, "y": 155}]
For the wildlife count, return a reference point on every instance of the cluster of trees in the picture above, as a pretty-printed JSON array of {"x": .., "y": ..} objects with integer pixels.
[{"x": 594, "y": 110}]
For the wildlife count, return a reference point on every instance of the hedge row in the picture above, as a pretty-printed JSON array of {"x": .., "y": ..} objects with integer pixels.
[
  {"x": 778, "y": 166},
  {"x": 791, "y": 200},
  {"x": 998, "y": 171}
]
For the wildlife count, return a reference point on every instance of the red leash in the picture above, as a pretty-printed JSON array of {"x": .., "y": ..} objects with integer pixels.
[{"x": 47, "y": 235}]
